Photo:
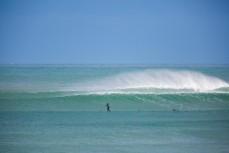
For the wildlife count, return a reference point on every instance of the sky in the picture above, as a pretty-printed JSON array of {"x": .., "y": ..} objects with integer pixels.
[{"x": 114, "y": 31}]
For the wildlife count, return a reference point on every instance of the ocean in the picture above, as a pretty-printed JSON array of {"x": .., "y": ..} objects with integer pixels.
[{"x": 154, "y": 108}]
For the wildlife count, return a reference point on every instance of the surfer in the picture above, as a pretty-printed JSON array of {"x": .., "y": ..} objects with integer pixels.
[{"x": 108, "y": 107}]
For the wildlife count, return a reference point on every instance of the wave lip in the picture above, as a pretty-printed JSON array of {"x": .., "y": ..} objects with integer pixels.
[{"x": 154, "y": 81}]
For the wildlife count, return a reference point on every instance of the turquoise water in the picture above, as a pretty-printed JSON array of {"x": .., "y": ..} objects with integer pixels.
[
  {"x": 61, "y": 108},
  {"x": 135, "y": 132}
]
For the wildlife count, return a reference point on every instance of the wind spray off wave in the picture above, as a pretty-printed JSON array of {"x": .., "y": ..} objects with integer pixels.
[{"x": 154, "y": 81}]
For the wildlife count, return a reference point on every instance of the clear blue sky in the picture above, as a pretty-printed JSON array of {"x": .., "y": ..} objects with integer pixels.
[{"x": 114, "y": 31}]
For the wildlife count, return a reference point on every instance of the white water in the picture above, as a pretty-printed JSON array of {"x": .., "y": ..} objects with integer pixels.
[{"x": 153, "y": 79}]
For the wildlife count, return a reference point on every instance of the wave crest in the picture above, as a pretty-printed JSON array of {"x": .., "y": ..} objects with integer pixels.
[{"x": 154, "y": 79}]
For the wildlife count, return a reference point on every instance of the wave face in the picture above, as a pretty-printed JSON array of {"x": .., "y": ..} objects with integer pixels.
[
  {"x": 154, "y": 81},
  {"x": 68, "y": 101}
]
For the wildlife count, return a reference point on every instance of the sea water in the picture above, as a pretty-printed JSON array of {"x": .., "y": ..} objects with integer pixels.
[{"x": 61, "y": 108}]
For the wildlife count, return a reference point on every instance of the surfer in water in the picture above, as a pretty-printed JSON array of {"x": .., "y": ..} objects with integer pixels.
[{"x": 108, "y": 107}]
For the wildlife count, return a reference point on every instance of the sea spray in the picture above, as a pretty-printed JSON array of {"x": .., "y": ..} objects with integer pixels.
[{"x": 153, "y": 81}]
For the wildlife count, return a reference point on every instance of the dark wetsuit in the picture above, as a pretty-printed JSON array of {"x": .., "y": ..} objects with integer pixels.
[{"x": 108, "y": 107}]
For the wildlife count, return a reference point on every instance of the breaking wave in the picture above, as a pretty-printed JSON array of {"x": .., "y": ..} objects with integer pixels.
[{"x": 153, "y": 81}]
